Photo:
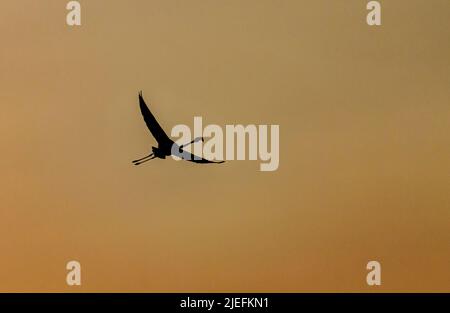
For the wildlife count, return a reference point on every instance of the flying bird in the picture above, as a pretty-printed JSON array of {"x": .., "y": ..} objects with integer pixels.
[{"x": 166, "y": 146}]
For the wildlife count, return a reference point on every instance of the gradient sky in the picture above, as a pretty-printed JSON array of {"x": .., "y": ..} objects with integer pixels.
[{"x": 364, "y": 146}]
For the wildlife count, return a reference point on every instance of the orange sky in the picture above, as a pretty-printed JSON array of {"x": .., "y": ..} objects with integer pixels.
[{"x": 364, "y": 144}]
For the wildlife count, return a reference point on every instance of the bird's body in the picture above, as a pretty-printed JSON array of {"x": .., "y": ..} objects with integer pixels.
[{"x": 166, "y": 146}]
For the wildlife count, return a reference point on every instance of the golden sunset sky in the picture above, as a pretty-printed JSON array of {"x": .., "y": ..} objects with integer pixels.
[{"x": 364, "y": 146}]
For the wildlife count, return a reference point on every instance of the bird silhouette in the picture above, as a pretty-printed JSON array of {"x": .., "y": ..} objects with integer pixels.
[{"x": 166, "y": 146}]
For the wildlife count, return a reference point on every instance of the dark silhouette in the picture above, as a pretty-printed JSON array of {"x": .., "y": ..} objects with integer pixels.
[{"x": 166, "y": 146}]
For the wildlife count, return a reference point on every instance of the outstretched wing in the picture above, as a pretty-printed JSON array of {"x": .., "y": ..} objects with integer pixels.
[
  {"x": 185, "y": 155},
  {"x": 156, "y": 129}
]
